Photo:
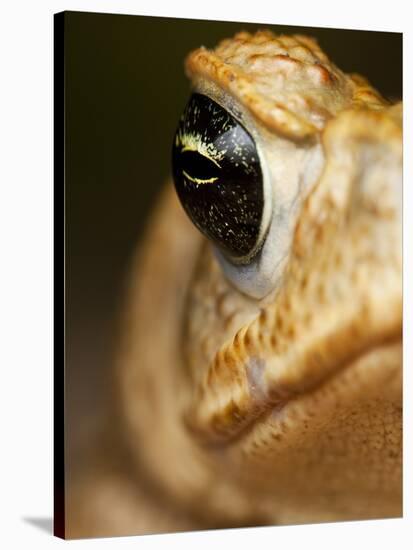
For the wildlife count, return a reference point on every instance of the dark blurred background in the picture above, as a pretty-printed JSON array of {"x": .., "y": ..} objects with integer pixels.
[{"x": 125, "y": 90}]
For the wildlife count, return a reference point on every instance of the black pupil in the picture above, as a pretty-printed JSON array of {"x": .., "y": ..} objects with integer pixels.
[
  {"x": 218, "y": 176},
  {"x": 198, "y": 166}
]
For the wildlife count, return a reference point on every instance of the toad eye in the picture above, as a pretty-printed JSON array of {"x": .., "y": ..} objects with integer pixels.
[{"x": 218, "y": 178}]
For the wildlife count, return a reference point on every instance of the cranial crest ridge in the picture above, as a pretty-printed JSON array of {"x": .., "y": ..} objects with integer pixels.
[{"x": 286, "y": 82}]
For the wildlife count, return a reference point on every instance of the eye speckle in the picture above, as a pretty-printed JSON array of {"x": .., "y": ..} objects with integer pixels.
[{"x": 218, "y": 177}]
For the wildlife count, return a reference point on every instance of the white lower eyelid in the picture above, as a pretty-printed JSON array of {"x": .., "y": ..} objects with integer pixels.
[{"x": 263, "y": 274}]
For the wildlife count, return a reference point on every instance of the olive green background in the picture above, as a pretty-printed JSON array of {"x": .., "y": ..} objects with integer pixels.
[{"x": 125, "y": 90}]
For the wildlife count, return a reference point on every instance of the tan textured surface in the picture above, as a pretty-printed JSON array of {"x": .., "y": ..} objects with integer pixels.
[
  {"x": 238, "y": 411},
  {"x": 342, "y": 293},
  {"x": 287, "y": 82}
]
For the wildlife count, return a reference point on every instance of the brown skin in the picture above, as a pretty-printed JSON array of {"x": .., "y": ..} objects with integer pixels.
[{"x": 286, "y": 409}]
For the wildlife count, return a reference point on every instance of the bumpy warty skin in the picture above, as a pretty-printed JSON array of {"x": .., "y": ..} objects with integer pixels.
[{"x": 286, "y": 408}]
